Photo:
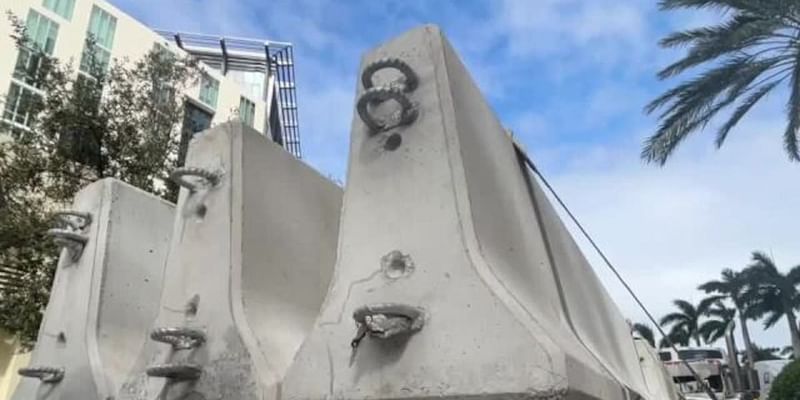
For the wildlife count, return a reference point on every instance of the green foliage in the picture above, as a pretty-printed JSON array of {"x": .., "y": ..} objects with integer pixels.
[
  {"x": 787, "y": 385},
  {"x": 774, "y": 295},
  {"x": 645, "y": 332},
  {"x": 755, "y": 50},
  {"x": 120, "y": 120},
  {"x": 713, "y": 329},
  {"x": 685, "y": 323},
  {"x": 764, "y": 354}
]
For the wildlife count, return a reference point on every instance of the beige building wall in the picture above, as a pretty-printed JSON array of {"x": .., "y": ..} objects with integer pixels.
[
  {"x": 132, "y": 39},
  {"x": 11, "y": 359}
]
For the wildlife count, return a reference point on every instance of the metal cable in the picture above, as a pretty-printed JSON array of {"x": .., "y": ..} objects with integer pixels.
[{"x": 610, "y": 266}]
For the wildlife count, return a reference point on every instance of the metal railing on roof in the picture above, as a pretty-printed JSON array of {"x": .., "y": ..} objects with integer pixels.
[{"x": 252, "y": 55}]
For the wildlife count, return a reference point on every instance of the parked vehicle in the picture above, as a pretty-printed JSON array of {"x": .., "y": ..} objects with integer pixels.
[
  {"x": 767, "y": 371},
  {"x": 708, "y": 362}
]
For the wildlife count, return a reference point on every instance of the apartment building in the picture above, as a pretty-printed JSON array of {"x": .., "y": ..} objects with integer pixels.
[{"x": 256, "y": 87}]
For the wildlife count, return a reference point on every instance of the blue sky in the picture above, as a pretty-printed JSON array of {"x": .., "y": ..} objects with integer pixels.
[{"x": 570, "y": 78}]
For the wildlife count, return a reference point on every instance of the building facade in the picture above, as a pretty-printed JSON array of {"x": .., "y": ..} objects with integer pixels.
[{"x": 229, "y": 88}]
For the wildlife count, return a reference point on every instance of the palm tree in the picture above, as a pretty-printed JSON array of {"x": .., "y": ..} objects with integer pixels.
[
  {"x": 748, "y": 55},
  {"x": 645, "y": 332},
  {"x": 686, "y": 319},
  {"x": 765, "y": 353},
  {"x": 732, "y": 287},
  {"x": 676, "y": 336},
  {"x": 713, "y": 329},
  {"x": 774, "y": 294}
]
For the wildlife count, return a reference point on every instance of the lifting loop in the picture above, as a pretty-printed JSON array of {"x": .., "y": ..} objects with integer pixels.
[
  {"x": 177, "y": 372},
  {"x": 207, "y": 178},
  {"x": 77, "y": 220},
  {"x": 73, "y": 241},
  {"x": 378, "y": 95},
  {"x": 45, "y": 374},
  {"x": 409, "y": 81},
  {"x": 385, "y": 320},
  {"x": 179, "y": 338}
]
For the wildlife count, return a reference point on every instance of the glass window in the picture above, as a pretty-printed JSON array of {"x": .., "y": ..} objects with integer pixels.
[
  {"x": 665, "y": 356},
  {"x": 61, "y": 7},
  {"x": 41, "y": 32},
  {"x": 19, "y": 104},
  {"x": 27, "y": 67},
  {"x": 247, "y": 111},
  {"x": 102, "y": 27},
  {"x": 692, "y": 355},
  {"x": 209, "y": 90}
]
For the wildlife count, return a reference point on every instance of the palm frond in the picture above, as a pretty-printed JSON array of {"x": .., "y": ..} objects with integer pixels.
[
  {"x": 739, "y": 32},
  {"x": 645, "y": 332},
  {"x": 688, "y": 309},
  {"x": 771, "y": 319},
  {"x": 712, "y": 330},
  {"x": 673, "y": 319},
  {"x": 793, "y": 112},
  {"x": 741, "y": 110},
  {"x": 704, "y": 307},
  {"x": 691, "y": 105},
  {"x": 713, "y": 286}
]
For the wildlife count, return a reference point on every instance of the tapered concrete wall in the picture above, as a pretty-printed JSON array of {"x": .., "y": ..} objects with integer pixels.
[
  {"x": 251, "y": 258},
  {"x": 471, "y": 242},
  {"x": 102, "y": 302}
]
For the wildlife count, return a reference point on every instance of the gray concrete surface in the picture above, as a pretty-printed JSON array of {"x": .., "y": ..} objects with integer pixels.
[
  {"x": 249, "y": 265},
  {"x": 482, "y": 256},
  {"x": 102, "y": 304}
]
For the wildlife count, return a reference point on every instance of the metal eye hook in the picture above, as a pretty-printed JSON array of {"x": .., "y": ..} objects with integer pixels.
[
  {"x": 385, "y": 320},
  {"x": 73, "y": 241},
  {"x": 210, "y": 178},
  {"x": 176, "y": 372},
  {"x": 43, "y": 373},
  {"x": 380, "y": 94},
  {"x": 76, "y": 220},
  {"x": 179, "y": 338},
  {"x": 409, "y": 82}
]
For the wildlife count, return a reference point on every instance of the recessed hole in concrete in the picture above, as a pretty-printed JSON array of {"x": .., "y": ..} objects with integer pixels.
[
  {"x": 201, "y": 211},
  {"x": 396, "y": 265},
  {"x": 393, "y": 142}
]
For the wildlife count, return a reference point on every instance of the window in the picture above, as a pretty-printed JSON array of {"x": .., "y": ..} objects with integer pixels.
[
  {"x": 247, "y": 111},
  {"x": 693, "y": 355},
  {"x": 102, "y": 27},
  {"x": 41, "y": 33},
  {"x": 27, "y": 68},
  {"x": 61, "y": 7},
  {"x": 20, "y": 103},
  {"x": 22, "y": 96},
  {"x": 665, "y": 356},
  {"x": 209, "y": 90}
]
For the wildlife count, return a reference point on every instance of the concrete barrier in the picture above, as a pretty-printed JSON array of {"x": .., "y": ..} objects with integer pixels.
[
  {"x": 251, "y": 258},
  {"x": 454, "y": 279},
  {"x": 104, "y": 296},
  {"x": 659, "y": 382}
]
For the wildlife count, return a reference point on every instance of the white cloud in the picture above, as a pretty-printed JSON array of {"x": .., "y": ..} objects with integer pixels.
[{"x": 548, "y": 27}]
